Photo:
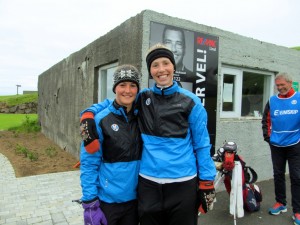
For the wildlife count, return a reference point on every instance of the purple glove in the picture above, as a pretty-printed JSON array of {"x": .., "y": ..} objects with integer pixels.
[{"x": 93, "y": 215}]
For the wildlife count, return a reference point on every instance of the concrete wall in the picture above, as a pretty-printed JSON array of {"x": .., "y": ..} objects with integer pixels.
[{"x": 70, "y": 86}]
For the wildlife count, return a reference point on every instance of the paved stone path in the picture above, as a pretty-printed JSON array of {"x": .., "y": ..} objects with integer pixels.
[
  {"x": 47, "y": 199},
  {"x": 42, "y": 199}
]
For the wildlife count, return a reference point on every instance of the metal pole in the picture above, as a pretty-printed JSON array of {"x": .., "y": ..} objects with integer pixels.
[{"x": 18, "y": 85}]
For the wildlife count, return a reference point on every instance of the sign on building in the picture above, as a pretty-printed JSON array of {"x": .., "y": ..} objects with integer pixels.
[{"x": 196, "y": 58}]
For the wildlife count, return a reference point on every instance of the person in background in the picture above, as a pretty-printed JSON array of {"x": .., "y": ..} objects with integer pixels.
[
  {"x": 176, "y": 170},
  {"x": 281, "y": 129},
  {"x": 109, "y": 164}
]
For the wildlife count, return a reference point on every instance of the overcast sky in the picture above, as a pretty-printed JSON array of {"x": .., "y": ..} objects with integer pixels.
[{"x": 36, "y": 34}]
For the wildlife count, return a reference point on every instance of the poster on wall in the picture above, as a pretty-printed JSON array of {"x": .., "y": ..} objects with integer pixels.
[{"x": 196, "y": 58}]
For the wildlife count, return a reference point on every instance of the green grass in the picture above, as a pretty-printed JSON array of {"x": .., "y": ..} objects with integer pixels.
[
  {"x": 19, "y": 122},
  {"x": 21, "y": 150},
  {"x": 12, "y": 100},
  {"x": 296, "y": 48},
  {"x": 51, "y": 152}
]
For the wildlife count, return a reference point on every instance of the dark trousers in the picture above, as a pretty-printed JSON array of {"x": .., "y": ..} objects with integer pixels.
[
  {"x": 280, "y": 156},
  {"x": 120, "y": 213},
  {"x": 167, "y": 204}
]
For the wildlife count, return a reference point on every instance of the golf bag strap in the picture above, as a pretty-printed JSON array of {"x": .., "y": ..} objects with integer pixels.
[{"x": 250, "y": 175}]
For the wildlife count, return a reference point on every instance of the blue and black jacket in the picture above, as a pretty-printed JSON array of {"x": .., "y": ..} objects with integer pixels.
[
  {"x": 173, "y": 124},
  {"x": 111, "y": 174}
]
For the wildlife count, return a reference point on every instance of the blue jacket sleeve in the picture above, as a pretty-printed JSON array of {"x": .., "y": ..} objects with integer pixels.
[
  {"x": 90, "y": 165},
  {"x": 89, "y": 173},
  {"x": 96, "y": 108},
  {"x": 201, "y": 142}
]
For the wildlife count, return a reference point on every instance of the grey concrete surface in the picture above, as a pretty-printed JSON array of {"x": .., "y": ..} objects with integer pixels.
[
  {"x": 43, "y": 199},
  {"x": 47, "y": 199}
]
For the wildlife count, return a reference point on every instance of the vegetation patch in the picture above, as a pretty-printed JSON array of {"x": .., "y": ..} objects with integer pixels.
[
  {"x": 16, "y": 121},
  {"x": 12, "y": 100},
  {"x": 296, "y": 48},
  {"x": 51, "y": 152},
  {"x": 21, "y": 150}
]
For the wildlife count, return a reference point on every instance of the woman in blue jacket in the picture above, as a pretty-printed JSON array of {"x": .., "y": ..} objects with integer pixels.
[
  {"x": 109, "y": 170},
  {"x": 176, "y": 167}
]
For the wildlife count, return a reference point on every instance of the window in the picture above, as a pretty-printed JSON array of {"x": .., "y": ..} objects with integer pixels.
[
  {"x": 244, "y": 92},
  {"x": 106, "y": 82}
]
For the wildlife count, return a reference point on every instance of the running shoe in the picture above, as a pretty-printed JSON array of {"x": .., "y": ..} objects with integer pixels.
[
  {"x": 277, "y": 209},
  {"x": 296, "y": 218}
]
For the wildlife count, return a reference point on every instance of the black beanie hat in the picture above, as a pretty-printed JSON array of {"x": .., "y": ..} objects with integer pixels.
[
  {"x": 126, "y": 73},
  {"x": 159, "y": 51}
]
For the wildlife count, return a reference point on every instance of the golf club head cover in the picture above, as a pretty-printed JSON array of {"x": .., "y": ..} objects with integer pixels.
[
  {"x": 207, "y": 195},
  {"x": 228, "y": 162},
  {"x": 92, "y": 214},
  {"x": 89, "y": 133}
]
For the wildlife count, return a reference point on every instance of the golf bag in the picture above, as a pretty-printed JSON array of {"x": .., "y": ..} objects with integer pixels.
[{"x": 225, "y": 160}]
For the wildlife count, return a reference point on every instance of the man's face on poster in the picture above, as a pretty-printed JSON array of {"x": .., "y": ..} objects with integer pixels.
[{"x": 174, "y": 41}]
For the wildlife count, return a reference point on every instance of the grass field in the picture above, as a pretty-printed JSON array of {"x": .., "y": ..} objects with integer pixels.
[
  {"x": 12, "y": 100},
  {"x": 296, "y": 48},
  {"x": 9, "y": 121}
]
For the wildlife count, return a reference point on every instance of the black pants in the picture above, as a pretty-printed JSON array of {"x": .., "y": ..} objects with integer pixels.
[
  {"x": 280, "y": 156},
  {"x": 167, "y": 204},
  {"x": 120, "y": 213}
]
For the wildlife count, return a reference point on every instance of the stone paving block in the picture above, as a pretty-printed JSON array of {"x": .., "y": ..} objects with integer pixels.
[
  {"x": 34, "y": 220},
  {"x": 58, "y": 217},
  {"x": 47, "y": 222},
  {"x": 12, "y": 219},
  {"x": 23, "y": 222}
]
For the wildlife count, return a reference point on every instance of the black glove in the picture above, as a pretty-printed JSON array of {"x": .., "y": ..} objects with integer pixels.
[
  {"x": 207, "y": 195},
  {"x": 89, "y": 133},
  {"x": 267, "y": 139}
]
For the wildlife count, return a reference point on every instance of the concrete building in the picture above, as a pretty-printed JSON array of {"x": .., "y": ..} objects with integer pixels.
[{"x": 237, "y": 73}]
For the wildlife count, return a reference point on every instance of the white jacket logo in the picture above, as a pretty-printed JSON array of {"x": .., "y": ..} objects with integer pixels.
[
  {"x": 148, "y": 101},
  {"x": 115, "y": 127},
  {"x": 285, "y": 112}
]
